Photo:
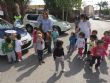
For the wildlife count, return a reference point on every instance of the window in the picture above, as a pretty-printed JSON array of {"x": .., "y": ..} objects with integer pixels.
[
  {"x": 5, "y": 25},
  {"x": 32, "y": 17}
]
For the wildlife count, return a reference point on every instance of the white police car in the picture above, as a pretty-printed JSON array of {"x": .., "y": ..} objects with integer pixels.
[{"x": 25, "y": 36}]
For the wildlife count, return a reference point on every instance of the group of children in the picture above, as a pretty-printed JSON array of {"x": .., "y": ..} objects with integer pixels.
[
  {"x": 11, "y": 46},
  {"x": 97, "y": 49},
  {"x": 43, "y": 41}
]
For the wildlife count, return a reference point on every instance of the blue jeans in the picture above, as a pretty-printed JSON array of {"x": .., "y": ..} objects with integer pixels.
[{"x": 40, "y": 55}]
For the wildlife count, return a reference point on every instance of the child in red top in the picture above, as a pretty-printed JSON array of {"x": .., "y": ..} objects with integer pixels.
[
  {"x": 106, "y": 39},
  {"x": 34, "y": 35},
  {"x": 97, "y": 52}
]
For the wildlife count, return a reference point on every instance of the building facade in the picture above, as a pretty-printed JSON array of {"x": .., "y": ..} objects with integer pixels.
[{"x": 89, "y": 10}]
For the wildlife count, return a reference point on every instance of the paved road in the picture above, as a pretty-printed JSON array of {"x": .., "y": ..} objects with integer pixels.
[{"x": 28, "y": 71}]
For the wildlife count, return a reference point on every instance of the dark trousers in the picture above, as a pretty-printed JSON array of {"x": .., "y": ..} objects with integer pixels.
[
  {"x": 45, "y": 40},
  {"x": 94, "y": 58},
  {"x": 85, "y": 49},
  {"x": 49, "y": 47},
  {"x": 40, "y": 55},
  {"x": 89, "y": 56}
]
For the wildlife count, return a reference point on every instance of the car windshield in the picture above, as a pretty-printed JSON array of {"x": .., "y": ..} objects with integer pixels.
[
  {"x": 5, "y": 25},
  {"x": 32, "y": 17},
  {"x": 53, "y": 18}
]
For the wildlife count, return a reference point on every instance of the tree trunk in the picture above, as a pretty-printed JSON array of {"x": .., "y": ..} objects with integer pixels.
[
  {"x": 67, "y": 15},
  {"x": 63, "y": 12},
  {"x": 100, "y": 11},
  {"x": 17, "y": 9}
]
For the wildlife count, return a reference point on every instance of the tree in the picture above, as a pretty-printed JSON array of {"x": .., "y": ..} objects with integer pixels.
[
  {"x": 105, "y": 4},
  {"x": 17, "y": 5},
  {"x": 102, "y": 5},
  {"x": 64, "y": 5}
]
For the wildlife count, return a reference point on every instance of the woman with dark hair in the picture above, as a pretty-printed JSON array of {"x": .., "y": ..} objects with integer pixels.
[
  {"x": 46, "y": 25},
  {"x": 85, "y": 27}
]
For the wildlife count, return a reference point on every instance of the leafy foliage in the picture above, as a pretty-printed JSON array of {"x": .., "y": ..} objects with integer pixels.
[{"x": 10, "y": 8}]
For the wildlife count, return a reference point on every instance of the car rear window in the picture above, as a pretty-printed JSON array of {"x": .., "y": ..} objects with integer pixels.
[{"x": 32, "y": 17}]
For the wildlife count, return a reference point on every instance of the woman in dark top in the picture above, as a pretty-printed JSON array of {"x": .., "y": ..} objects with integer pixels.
[{"x": 58, "y": 55}]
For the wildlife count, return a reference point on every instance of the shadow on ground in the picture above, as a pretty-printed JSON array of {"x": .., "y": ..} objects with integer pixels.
[
  {"x": 54, "y": 78},
  {"x": 4, "y": 66},
  {"x": 75, "y": 67},
  {"x": 93, "y": 77},
  {"x": 104, "y": 68},
  {"x": 29, "y": 65}
]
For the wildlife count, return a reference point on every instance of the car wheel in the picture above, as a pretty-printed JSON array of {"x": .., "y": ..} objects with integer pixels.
[
  {"x": 58, "y": 29},
  {"x": 29, "y": 28}
]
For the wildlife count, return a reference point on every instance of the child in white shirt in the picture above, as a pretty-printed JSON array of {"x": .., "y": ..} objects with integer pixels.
[
  {"x": 80, "y": 44},
  {"x": 18, "y": 45}
]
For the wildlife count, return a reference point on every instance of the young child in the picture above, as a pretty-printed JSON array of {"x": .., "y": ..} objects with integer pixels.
[
  {"x": 91, "y": 43},
  {"x": 106, "y": 41},
  {"x": 80, "y": 44},
  {"x": 18, "y": 45},
  {"x": 48, "y": 42},
  {"x": 72, "y": 40},
  {"x": 8, "y": 49},
  {"x": 54, "y": 35},
  {"x": 40, "y": 48},
  {"x": 58, "y": 55},
  {"x": 95, "y": 32},
  {"x": 109, "y": 43},
  {"x": 77, "y": 31},
  {"x": 105, "y": 38},
  {"x": 97, "y": 51},
  {"x": 34, "y": 35}
]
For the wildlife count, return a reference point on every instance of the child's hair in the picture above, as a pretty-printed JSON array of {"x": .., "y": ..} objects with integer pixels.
[
  {"x": 82, "y": 34},
  {"x": 35, "y": 28},
  {"x": 5, "y": 35},
  {"x": 94, "y": 31},
  {"x": 18, "y": 36},
  {"x": 54, "y": 28},
  {"x": 99, "y": 42},
  {"x": 8, "y": 40},
  {"x": 93, "y": 37},
  {"x": 73, "y": 34},
  {"x": 59, "y": 43},
  {"x": 106, "y": 32},
  {"x": 109, "y": 32},
  {"x": 77, "y": 28}
]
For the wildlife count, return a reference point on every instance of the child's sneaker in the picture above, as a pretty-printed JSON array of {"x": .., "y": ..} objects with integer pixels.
[
  {"x": 90, "y": 67},
  {"x": 63, "y": 70},
  {"x": 19, "y": 60},
  {"x": 43, "y": 62},
  {"x": 96, "y": 68},
  {"x": 56, "y": 72},
  {"x": 78, "y": 56}
]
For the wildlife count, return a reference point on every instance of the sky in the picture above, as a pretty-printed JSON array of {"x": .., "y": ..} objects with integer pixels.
[
  {"x": 85, "y": 2},
  {"x": 38, "y": 2},
  {"x": 93, "y": 2}
]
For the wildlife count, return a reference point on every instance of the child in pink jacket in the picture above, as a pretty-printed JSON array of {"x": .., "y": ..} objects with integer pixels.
[
  {"x": 34, "y": 35},
  {"x": 97, "y": 51},
  {"x": 106, "y": 40}
]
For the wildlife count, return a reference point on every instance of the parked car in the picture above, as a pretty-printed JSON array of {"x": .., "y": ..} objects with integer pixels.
[
  {"x": 96, "y": 17},
  {"x": 25, "y": 36},
  {"x": 30, "y": 21}
]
